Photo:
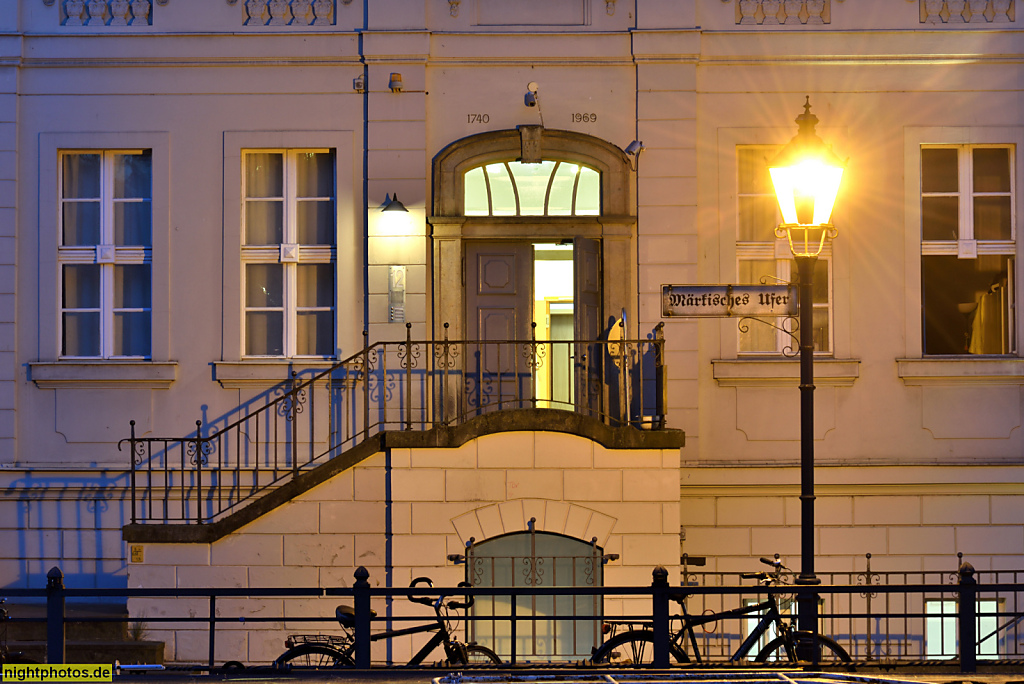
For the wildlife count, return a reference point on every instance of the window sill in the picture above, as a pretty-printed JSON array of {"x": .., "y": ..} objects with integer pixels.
[
  {"x": 265, "y": 373},
  {"x": 763, "y": 372},
  {"x": 100, "y": 374},
  {"x": 962, "y": 370}
]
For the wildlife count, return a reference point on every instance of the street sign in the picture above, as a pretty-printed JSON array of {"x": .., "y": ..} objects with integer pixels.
[{"x": 728, "y": 300}]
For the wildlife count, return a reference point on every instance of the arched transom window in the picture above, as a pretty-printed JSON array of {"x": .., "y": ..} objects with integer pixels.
[{"x": 550, "y": 188}]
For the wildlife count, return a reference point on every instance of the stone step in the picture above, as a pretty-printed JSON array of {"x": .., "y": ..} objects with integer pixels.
[
  {"x": 79, "y": 625},
  {"x": 96, "y": 651}
]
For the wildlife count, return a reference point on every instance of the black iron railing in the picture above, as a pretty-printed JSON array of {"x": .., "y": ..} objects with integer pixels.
[
  {"x": 996, "y": 600},
  {"x": 407, "y": 385},
  {"x": 878, "y": 624}
]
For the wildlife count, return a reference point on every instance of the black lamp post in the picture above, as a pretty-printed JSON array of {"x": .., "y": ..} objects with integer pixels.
[{"x": 806, "y": 175}]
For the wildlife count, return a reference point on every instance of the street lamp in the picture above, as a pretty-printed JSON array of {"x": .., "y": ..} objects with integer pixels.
[{"x": 806, "y": 175}]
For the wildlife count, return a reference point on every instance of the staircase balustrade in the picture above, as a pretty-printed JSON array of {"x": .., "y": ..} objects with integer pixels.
[{"x": 410, "y": 385}]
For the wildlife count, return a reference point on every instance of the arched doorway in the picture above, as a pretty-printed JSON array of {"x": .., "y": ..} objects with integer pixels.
[
  {"x": 532, "y": 227},
  {"x": 532, "y": 559}
]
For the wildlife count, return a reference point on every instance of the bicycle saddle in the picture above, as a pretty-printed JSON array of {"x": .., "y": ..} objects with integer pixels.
[{"x": 347, "y": 615}]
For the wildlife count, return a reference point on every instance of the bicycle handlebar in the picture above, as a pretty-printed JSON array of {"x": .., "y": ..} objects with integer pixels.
[
  {"x": 436, "y": 603},
  {"x": 425, "y": 600},
  {"x": 463, "y": 605}
]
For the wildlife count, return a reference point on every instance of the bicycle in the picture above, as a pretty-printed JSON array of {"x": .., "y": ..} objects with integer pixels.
[
  {"x": 6, "y": 656},
  {"x": 332, "y": 651},
  {"x": 636, "y": 644}
]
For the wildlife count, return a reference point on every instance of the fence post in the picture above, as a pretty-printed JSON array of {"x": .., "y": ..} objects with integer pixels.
[
  {"x": 55, "y": 616},
  {"x": 659, "y": 597},
  {"x": 408, "y": 376},
  {"x": 968, "y": 619},
  {"x": 199, "y": 475},
  {"x": 361, "y": 598},
  {"x": 131, "y": 442},
  {"x": 660, "y": 376},
  {"x": 213, "y": 628}
]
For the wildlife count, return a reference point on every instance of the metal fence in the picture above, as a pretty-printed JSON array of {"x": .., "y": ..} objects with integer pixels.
[
  {"x": 893, "y": 630},
  {"x": 407, "y": 385},
  {"x": 883, "y": 617}
]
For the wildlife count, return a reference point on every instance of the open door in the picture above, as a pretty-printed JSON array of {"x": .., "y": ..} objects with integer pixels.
[
  {"x": 588, "y": 358},
  {"x": 499, "y": 306}
]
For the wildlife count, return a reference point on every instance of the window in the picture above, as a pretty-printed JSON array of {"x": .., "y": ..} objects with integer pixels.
[
  {"x": 536, "y": 559},
  {"x": 288, "y": 252},
  {"x": 968, "y": 249},
  {"x": 764, "y": 259},
  {"x": 105, "y": 254},
  {"x": 550, "y": 188},
  {"x": 750, "y": 624},
  {"x": 940, "y": 628}
]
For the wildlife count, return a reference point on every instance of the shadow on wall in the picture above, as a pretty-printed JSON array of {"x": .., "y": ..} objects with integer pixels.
[{"x": 71, "y": 521}]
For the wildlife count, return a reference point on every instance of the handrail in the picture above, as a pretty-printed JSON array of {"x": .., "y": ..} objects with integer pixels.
[{"x": 406, "y": 385}]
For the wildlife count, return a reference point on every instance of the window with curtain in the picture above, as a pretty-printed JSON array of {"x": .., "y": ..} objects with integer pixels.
[
  {"x": 105, "y": 253},
  {"x": 764, "y": 259},
  {"x": 550, "y": 188},
  {"x": 968, "y": 249},
  {"x": 288, "y": 252}
]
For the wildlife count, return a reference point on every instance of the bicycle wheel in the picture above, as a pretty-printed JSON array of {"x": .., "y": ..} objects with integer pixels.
[
  {"x": 635, "y": 647},
  {"x": 313, "y": 656},
  {"x": 829, "y": 652},
  {"x": 481, "y": 655}
]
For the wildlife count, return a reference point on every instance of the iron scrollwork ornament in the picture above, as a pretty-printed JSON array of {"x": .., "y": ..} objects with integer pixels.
[{"x": 199, "y": 451}]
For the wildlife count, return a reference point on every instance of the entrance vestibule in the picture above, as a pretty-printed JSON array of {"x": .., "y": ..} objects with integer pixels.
[{"x": 511, "y": 209}]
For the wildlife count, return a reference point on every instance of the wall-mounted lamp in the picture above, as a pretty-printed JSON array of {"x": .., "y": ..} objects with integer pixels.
[
  {"x": 633, "y": 150},
  {"x": 392, "y": 203},
  {"x": 359, "y": 84},
  {"x": 395, "y": 83},
  {"x": 532, "y": 97}
]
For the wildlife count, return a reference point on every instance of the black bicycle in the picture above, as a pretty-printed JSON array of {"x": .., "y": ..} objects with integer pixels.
[
  {"x": 635, "y": 645},
  {"x": 326, "y": 651}
]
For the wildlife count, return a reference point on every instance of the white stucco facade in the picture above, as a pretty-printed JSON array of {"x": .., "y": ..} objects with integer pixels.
[{"x": 920, "y": 455}]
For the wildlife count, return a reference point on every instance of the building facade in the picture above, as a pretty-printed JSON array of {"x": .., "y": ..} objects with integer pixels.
[{"x": 194, "y": 226}]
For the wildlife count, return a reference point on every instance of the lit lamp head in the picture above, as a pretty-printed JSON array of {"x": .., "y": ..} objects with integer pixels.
[
  {"x": 806, "y": 175},
  {"x": 395, "y": 219}
]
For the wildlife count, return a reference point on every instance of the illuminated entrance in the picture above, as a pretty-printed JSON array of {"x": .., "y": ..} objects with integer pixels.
[{"x": 532, "y": 227}]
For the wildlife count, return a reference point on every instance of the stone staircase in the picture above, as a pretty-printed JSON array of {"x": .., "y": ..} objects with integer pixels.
[{"x": 86, "y": 641}]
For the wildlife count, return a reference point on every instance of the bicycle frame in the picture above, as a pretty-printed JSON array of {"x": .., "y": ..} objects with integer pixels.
[
  {"x": 771, "y": 617},
  {"x": 421, "y": 655}
]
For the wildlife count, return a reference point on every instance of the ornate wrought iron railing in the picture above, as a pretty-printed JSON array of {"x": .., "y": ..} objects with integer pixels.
[{"x": 388, "y": 386}]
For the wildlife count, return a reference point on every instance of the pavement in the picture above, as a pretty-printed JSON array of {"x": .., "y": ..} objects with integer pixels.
[{"x": 922, "y": 673}]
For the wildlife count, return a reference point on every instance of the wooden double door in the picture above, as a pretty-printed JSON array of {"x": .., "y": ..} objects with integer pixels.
[{"x": 503, "y": 366}]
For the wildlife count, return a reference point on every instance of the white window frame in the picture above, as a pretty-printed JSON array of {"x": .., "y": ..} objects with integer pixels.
[
  {"x": 105, "y": 254},
  {"x": 233, "y": 371},
  {"x": 916, "y": 368},
  {"x": 941, "y": 634},
  {"x": 49, "y": 370},
  {"x": 289, "y": 254},
  {"x": 778, "y": 250},
  {"x": 967, "y": 246}
]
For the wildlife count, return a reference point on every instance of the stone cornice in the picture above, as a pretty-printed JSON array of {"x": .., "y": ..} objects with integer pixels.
[{"x": 103, "y": 374}]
